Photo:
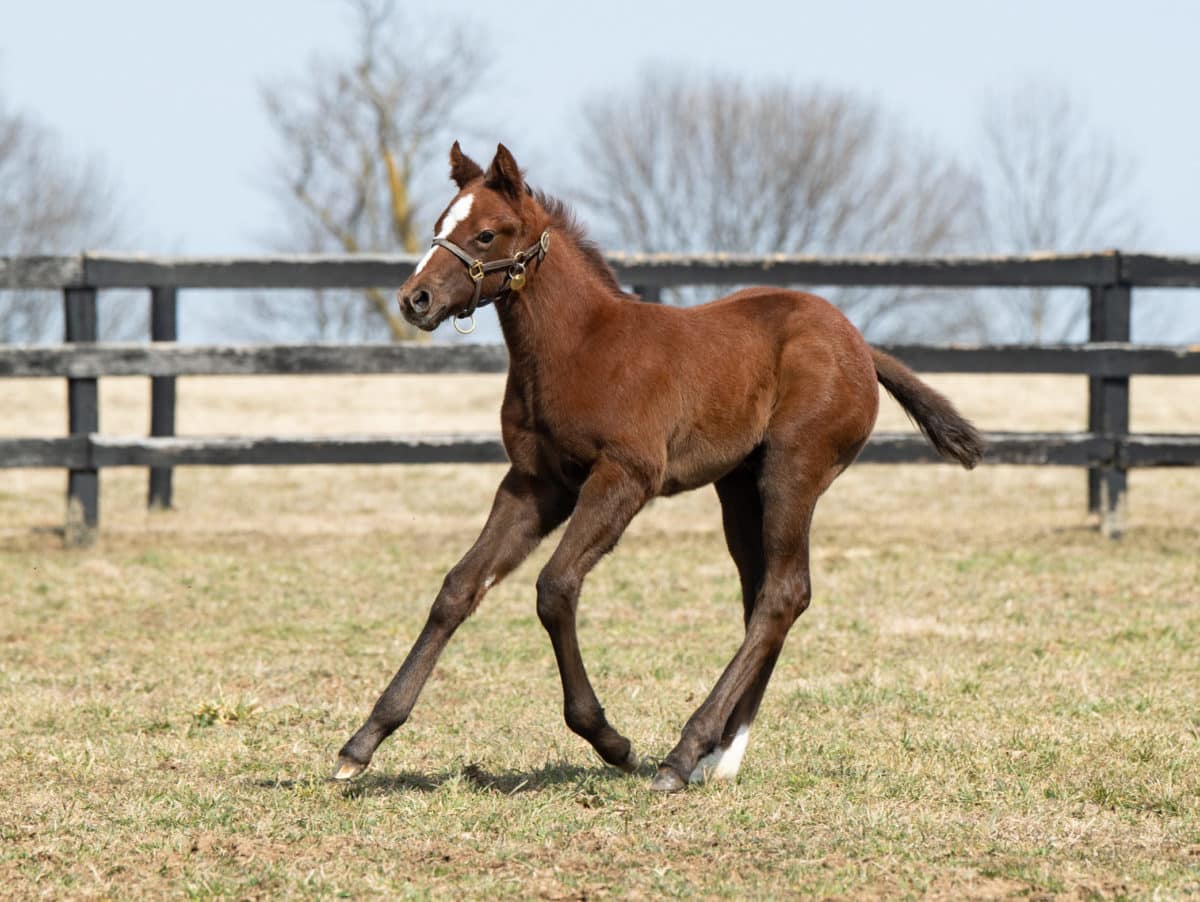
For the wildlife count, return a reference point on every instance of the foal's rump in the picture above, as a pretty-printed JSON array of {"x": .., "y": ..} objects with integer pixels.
[{"x": 824, "y": 369}]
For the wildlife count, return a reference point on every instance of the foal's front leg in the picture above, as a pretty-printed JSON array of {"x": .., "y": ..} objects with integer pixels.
[
  {"x": 524, "y": 511},
  {"x": 607, "y": 502}
]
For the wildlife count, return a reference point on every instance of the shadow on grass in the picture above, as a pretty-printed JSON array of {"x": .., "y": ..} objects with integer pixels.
[
  {"x": 511, "y": 782},
  {"x": 549, "y": 776}
]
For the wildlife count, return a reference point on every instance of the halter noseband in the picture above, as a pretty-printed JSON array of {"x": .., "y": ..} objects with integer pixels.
[{"x": 477, "y": 270}]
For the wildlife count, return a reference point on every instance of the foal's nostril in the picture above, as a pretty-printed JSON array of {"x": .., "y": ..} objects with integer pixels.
[{"x": 420, "y": 300}]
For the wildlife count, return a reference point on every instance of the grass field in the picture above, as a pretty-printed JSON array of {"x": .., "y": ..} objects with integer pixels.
[{"x": 985, "y": 700}]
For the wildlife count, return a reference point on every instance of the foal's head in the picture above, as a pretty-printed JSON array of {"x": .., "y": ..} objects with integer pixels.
[{"x": 481, "y": 242}]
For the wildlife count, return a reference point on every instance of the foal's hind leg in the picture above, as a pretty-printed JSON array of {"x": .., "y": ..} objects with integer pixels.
[
  {"x": 607, "y": 502},
  {"x": 792, "y": 480},
  {"x": 742, "y": 519},
  {"x": 524, "y": 511}
]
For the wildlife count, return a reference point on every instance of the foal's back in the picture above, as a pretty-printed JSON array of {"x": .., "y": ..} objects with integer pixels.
[{"x": 709, "y": 384}]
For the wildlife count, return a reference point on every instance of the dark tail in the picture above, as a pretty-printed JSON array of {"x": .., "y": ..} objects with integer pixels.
[{"x": 947, "y": 430}]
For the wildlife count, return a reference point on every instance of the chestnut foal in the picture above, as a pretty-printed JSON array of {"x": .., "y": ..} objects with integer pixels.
[{"x": 769, "y": 394}]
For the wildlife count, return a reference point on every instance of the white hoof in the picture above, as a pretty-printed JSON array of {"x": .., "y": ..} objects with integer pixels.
[
  {"x": 723, "y": 762},
  {"x": 347, "y": 770}
]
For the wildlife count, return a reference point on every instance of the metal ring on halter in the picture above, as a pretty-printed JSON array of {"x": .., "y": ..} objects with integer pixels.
[{"x": 459, "y": 329}]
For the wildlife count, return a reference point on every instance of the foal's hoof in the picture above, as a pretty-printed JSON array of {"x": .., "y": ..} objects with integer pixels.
[
  {"x": 631, "y": 763},
  {"x": 666, "y": 780},
  {"x": 347, "y": 769}
]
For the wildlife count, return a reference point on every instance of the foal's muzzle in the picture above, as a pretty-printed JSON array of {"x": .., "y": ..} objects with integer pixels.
[
  {"x": 417, "y": 307},
  {"x": 419, "y": 301}
]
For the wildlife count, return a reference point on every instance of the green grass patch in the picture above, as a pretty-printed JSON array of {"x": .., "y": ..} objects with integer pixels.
[{"x": 974, "y": 706}]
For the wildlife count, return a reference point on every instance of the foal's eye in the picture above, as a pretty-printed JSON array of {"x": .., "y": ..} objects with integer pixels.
[{"x": 485, "y": 237}]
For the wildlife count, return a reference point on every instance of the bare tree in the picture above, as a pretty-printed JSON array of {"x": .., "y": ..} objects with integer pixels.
[
  {"x": 359, "y": 137},
  {"x": 53, "y": 203},
  {"x": 689, "y": 164},
  {"x": 1052, "y": 182}
]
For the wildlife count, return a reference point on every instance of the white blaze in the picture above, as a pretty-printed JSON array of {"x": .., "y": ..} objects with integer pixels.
[
  {"x": 722, "y": 763},
  {"x": 459, "y": 210},
  {"x": 424, "y": 260}
]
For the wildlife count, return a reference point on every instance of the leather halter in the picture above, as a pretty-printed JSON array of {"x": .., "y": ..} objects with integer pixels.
[{"x": 478, "y": 270}]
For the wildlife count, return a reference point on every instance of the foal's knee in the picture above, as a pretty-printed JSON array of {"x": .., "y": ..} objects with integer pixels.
[
  {"x": 556, "y": 596},
  {"x": 801, "y": 595},
  {"x": 455, "y": 601},
  {"x": 782, "y": 602}
]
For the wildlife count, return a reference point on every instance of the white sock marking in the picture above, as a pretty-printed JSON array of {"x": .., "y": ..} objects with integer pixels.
[
  {"x": 723, "y": 763},
  {"x": 459, "y": 210}
]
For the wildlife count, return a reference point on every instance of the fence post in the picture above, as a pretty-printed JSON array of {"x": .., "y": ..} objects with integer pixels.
[
  {"x": 651, "y": 294},
  {"x": 164, "y": 309},
  {"x": 83, "y": 418},
  {"x": 1108, "y": 408}
]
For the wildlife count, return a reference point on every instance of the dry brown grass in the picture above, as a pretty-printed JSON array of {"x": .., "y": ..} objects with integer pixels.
[{"x": 986, "y": 698}]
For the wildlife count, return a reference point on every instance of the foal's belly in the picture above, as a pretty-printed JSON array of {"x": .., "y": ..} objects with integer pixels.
[
  {"x": 698, "y": 461},
  {"x": 685, "y": 481},
  {"x": 727, "y": 422}
]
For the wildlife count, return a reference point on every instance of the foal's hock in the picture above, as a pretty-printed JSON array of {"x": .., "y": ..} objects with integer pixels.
[{"x": 767, "y": 394}]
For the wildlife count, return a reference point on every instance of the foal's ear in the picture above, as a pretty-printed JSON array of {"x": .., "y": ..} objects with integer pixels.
[
  {"x": 462, "y": 168},
  {"x": 504, "y": 175}
]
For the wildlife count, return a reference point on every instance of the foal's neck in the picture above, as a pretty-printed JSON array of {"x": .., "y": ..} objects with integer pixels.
[{"x": 559, "y": 306}]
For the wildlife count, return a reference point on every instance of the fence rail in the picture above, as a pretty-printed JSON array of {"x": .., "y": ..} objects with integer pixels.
[
  {"x": 96, "y": 451},
  {"x": 101, "y": 270},
  {"x": 1107, "y": 449},
  {"x": 160, "y": 359}
]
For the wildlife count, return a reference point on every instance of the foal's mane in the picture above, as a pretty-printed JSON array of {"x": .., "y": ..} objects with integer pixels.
[{"x": 563, "y": 219}]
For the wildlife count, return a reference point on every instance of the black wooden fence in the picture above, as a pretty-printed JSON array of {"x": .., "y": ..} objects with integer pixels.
[{"x": 1107, "y": 449}]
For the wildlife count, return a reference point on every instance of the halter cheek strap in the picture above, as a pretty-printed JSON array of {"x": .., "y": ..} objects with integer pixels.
[{"x": 478, "y": 270}]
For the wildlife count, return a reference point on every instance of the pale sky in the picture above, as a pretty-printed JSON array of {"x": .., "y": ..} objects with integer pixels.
[{"x": 167, "y": 93}]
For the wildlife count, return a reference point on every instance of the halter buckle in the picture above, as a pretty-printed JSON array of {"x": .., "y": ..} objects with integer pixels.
[{"x": 475, "y": 271}]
